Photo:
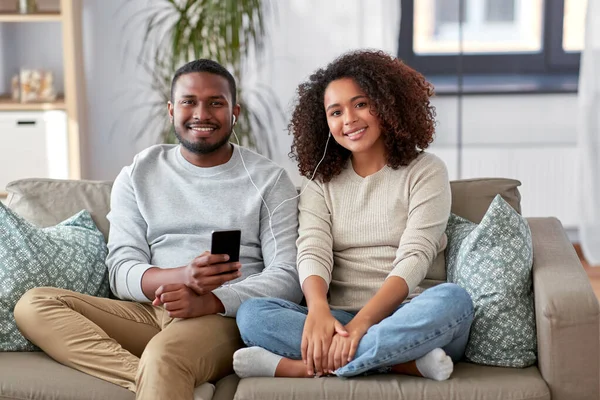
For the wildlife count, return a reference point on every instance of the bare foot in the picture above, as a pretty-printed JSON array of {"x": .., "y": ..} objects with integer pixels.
[{"x": 291, "y": 369}]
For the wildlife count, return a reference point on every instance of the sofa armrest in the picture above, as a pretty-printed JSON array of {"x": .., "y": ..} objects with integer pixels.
[{"x": 567, "y": 315}]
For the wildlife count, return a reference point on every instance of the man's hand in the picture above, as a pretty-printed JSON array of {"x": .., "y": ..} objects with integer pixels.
[
  {"x": 182, "y": 302},
  {"x": 209, "y": 271}
]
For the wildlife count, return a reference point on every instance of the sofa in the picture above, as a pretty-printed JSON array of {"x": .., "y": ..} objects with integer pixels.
[{"x": 567, "y": 320}]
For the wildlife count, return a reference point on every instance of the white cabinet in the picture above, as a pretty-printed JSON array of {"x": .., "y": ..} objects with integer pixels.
[{"x": 33, "y": 144}]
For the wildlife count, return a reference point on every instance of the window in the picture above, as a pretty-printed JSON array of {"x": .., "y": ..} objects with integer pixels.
[
  {"x": 574, "y": 25},
  {"x": 492, "y": 36},
  {"x": 499, "y": 11},
  {"x": 488, "y": 26}
]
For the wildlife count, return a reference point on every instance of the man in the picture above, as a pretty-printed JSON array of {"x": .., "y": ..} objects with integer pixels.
[{"x": 175, "y": 333}]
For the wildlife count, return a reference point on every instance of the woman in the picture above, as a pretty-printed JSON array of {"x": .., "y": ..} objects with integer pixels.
[{"x": 371, "y": 224}]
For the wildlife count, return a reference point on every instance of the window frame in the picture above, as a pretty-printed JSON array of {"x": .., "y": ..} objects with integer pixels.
[{"x": 551, "y": 60}]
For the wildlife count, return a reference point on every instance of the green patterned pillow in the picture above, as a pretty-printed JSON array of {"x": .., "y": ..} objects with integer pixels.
[
  {"x": 69, "y": 255},
  {"x": 493, "y": 261}
]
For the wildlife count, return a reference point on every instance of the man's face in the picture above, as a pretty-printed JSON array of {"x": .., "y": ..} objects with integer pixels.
[{"x": 201, "y": 112}]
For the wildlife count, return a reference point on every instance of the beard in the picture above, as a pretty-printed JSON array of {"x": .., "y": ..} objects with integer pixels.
[{"x": 201, "y": 146}]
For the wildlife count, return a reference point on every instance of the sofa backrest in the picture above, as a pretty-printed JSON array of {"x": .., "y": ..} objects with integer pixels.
[
  {"x": 472, "y": 197},
  {"x": 46, "y": 202}
]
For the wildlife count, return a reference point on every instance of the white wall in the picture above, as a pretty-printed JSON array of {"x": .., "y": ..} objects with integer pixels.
[
  {"x": 531, "y": 138},
  {"x": 115, "y": 86}
]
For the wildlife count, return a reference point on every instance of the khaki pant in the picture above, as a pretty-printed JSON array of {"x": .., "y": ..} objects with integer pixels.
[{"x": 137, "y": 346}]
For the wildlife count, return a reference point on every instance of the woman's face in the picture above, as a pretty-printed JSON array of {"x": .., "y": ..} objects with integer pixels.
[{"x": 350, "y": 119}]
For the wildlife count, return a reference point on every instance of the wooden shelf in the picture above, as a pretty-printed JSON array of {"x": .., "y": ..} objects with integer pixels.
[
  {"x": 7, "y": 104},
  {"x": 37, "y": 17},
  {"x": 69, "y": 16}
]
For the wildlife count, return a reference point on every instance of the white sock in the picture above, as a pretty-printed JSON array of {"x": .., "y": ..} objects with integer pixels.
[
  {"x": 435, "y": 365},
  {"x": 204, "y": 391},
  {"x": 255, "y": 361}
]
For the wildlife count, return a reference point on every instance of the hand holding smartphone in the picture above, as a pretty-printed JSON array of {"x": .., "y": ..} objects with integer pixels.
[{"x": 227, "y": 242}]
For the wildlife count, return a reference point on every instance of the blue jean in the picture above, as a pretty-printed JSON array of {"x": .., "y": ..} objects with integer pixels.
[{"x": 439, "y": 317}]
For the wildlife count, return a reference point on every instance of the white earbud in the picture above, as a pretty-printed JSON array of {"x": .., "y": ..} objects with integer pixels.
[{"x": 234, "y": 120}]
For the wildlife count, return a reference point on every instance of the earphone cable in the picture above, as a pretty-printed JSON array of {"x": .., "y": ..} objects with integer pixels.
[{"x": 269, "y": 213}]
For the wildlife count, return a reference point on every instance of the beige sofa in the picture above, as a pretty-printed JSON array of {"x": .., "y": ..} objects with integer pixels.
[{"x": 567, "y": 315}]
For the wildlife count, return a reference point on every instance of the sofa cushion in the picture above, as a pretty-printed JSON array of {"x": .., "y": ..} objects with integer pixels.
[
  {"x": 471, "y": 199},
  {"x": 46, "y": 202},
  {"x": 469, "y": 381},
  {"x": 37, "y": 376},
  {"x": 226, "y": 387},
  {"x": 69, "y": 255},
  {"x": 493, "y": 262}
]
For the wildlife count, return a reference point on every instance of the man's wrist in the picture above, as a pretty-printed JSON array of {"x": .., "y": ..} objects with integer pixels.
[{"x": 213, "y": 304}]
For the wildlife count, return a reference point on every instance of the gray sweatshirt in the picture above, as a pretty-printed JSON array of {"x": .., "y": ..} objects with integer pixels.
[{"x": 163, "y": 210}]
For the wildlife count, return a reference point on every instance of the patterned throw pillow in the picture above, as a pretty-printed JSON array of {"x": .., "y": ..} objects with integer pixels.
[
  {"x": 69, "y": 255},
  {"x": 493, "y": 261}
]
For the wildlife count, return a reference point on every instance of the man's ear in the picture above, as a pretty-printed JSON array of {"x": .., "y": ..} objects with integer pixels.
[
  {"x": 236, "y": 111},
  {"x": 170, "y": 109}
]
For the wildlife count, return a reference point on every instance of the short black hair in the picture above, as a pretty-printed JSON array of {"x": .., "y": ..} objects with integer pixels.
[{"x": 205, "y": 65}]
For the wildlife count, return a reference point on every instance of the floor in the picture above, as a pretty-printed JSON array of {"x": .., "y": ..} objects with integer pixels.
[{"x": 592, "y": 271}]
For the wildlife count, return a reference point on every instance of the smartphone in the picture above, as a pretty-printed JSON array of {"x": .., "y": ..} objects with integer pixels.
[{"x": 227, "y": 242}]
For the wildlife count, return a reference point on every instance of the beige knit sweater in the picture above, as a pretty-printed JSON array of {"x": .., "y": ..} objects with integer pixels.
[{"x": 355, "y": 232}]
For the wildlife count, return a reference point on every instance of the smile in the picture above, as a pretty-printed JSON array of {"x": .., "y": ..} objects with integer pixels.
[
  {"x": 355, "y": 134},
  {"x": 202, "y": 128}
]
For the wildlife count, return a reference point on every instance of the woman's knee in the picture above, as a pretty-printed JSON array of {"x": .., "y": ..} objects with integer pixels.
[
  {"x": 454, "y": 297},
  {"x": 252, "y": 312}
]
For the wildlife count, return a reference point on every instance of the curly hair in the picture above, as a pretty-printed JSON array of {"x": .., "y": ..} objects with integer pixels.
[{"x": 400, "y": 97}]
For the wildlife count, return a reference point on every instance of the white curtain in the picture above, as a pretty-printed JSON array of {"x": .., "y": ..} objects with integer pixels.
[{"x": 589, "y": 137}]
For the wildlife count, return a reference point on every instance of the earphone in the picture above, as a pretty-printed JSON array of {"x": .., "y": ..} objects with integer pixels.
[
  {"x": 269, "y": 213},
  {"x": 233, "y": 120}
]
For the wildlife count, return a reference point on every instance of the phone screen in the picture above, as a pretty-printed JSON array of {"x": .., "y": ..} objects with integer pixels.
[{"x": 227, "y": 242}]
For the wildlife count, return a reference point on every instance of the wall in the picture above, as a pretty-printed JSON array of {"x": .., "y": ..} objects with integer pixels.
[
  {"x": 115, "y": 86},
  {"x": 531, "y": 138}
]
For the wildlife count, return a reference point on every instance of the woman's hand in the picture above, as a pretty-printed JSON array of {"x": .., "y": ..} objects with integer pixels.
[
  {"x": 343, "y": 348},
  {"x": 319, "y": 328}
]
